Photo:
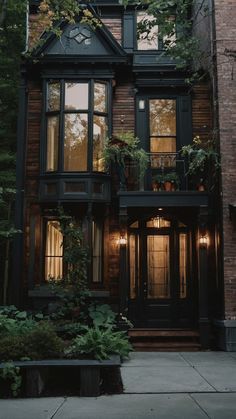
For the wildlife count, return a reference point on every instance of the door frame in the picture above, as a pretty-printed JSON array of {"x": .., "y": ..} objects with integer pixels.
[{"x": 140, "y": 308}]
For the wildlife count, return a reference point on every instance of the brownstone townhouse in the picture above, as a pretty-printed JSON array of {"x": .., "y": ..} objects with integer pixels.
[{"x": 164, "y": 258}]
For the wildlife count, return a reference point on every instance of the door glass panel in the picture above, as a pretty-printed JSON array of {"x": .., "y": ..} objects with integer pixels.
[
  {"x": 76, "y": 96},
  {"x": 158, "y": 260},
  {"x": 183, "y": 264},
  {"x": 133, "y": 263},
  {"x": 76, "y": 142},
  {"x": 162, "y": 122},
  {"x": 162, "y": 117}
]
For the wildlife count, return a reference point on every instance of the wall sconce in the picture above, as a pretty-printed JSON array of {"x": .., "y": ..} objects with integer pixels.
[
  {"x": 204, "y": 240},
  {"x": 141, "y": 104},
  {"x": 123, "y": 240}
]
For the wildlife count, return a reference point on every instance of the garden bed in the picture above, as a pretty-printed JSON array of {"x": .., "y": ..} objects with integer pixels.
[{"x": 56, "y": 377}]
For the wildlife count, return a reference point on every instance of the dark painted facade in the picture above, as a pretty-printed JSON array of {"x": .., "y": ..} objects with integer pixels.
[{"x": 155, "y": 254}]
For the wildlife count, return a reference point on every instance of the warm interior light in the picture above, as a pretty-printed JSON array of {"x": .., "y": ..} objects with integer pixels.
[
  {"x": 123, "y": 240},
  {"x": 141, "y": 104},
  {"x": 157, "y": 222},
  {"x": 203, "y": 240}
]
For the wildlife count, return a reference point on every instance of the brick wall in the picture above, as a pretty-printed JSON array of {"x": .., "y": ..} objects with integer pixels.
[{"x": 225, "y": 21}]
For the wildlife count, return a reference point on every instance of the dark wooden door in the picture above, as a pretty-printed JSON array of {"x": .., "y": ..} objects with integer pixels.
[{"x": 161, "y": 288}]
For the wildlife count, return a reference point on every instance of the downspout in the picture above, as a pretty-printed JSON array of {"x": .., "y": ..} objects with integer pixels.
[{"x": 211, "y": 5}]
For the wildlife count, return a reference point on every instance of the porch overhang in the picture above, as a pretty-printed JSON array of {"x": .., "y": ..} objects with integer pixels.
[{"x": 163, "y": 199}]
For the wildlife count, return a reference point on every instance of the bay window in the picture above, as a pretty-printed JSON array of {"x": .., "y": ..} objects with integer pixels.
[
  {"x": 77, "y": 125},
  {"x": 53, "y": 256}
]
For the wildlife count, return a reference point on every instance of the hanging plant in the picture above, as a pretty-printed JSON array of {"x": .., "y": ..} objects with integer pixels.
[{"x": 123, "y": 147}]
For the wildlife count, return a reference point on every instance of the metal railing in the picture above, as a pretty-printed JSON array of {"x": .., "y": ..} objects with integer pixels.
[{"x": 161, "y": 165}]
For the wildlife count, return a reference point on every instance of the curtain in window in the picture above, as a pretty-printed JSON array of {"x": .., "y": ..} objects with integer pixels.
[
  {"x": 54, "y": 251},
  {"x": 97, "y": 252}
]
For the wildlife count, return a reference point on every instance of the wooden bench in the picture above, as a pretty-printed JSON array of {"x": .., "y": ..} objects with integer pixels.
[{"x": 89, "y": 373}]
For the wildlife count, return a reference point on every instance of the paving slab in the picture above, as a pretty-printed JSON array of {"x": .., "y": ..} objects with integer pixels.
[
  {"x": 163, "y": 379},
  {"x": 41, "y": 408},
  {"x": 165, "y": 406},
  {"x": 154, "y": 359},
  {"x": 221, "y": 377},
  {"x": 217, "y": 406},
  {"x": 208, "y": 358}
]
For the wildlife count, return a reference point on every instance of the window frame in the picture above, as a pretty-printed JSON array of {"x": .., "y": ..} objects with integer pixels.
[{"x": 90, "y": 112}]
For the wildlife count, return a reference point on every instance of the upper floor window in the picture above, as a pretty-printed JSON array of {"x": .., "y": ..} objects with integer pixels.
[
  {"x": 148, "y": 34},
  {"x": 77, "y": 125}
]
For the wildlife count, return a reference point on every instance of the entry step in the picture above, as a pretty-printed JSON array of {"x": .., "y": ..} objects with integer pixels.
[
  {"x": 162, "y": 332},
  {"x": 164, "y": 339}
]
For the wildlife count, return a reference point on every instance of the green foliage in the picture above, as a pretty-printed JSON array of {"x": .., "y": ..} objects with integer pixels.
[
  {"x": 11, "y": 374},
  {"x": 102, "y": 315},
  {"x": 12, "y": 347},
  {"x": 203, "y": 158},
  {"x": 126, "y": 146},
  {"x": 99, "y": 344},
  {"x": 35, "y": 341},
  {"x": 43, "y": 343},
  {"x": 72, "y": 290},
  {"x": 167, "y": 177},
  {"x": 175, "y": 27}
]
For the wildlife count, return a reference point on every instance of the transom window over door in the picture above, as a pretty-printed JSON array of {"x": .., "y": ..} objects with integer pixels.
[{"x": 77, "y": 125}]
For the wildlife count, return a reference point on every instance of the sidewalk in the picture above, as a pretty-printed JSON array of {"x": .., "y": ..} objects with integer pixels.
[{"x": 186, "y": 385}]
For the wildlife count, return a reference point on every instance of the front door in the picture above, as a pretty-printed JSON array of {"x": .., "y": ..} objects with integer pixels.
[{"x": 161, "y": 286}]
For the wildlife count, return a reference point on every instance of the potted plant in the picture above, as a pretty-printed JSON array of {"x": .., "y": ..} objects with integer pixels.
[
  {"x": 171, "y": 181},
  {"x": 121, "y": 149},
  {"x": 157, "y": 182},
  {"x": 203, "y": 161}
]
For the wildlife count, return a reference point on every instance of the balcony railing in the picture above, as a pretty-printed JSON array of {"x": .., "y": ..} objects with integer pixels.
[{"x": 162, "y": 166}]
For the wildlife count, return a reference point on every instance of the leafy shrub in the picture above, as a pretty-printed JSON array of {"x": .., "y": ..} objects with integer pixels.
[
  {"x": 99, "y": 344},
  {"x": 43, "y": 343},
  {"x": 102, "y": 315},
  {"x": 12, "y": 347},
  {"x": 15, "y": 326},
  {"x": 11, "y": 378}
]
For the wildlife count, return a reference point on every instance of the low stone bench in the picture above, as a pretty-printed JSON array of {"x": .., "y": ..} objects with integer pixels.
[{"x": 88, "y": 378}]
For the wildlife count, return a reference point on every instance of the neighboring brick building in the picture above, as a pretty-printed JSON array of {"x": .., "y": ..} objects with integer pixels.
[
  {"x": 225, "y": 100},
  {"x": 155, "y": 254}
]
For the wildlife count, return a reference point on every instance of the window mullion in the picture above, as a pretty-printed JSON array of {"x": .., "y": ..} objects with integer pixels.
[
  {"x": 90, "y": 126},
  {"x": 62, "y": 128}
]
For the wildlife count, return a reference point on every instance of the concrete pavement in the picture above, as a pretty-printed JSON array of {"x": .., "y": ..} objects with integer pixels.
[{"x": 165, "y": 385}]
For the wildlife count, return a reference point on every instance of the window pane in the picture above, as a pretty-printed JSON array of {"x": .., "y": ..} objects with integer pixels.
[
  {"x": 52, "y": 143},
  {"x": 162, "y": 117},
  {"x": 99, "y": 136},
  {"x": 146, "y": 40},
  {"x": 133, "y": 264},
  {"x": 100, "y": 97},
  {"x": 158, "y": 267},
  {"x": 76, "y": 142},
  {"x": 183, "y": 264},
  {"x": 158, "y": 222},
  {"x": 53, "y": 99},
  {"x": 54, "y": 251},
  {"x": 76, "y": 96},
  {"x": 97, "y": 252},
  {"x": 163, "y": 145}
]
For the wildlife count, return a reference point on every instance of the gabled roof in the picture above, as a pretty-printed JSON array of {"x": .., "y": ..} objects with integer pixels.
[{"x": 82, "y": 43}]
